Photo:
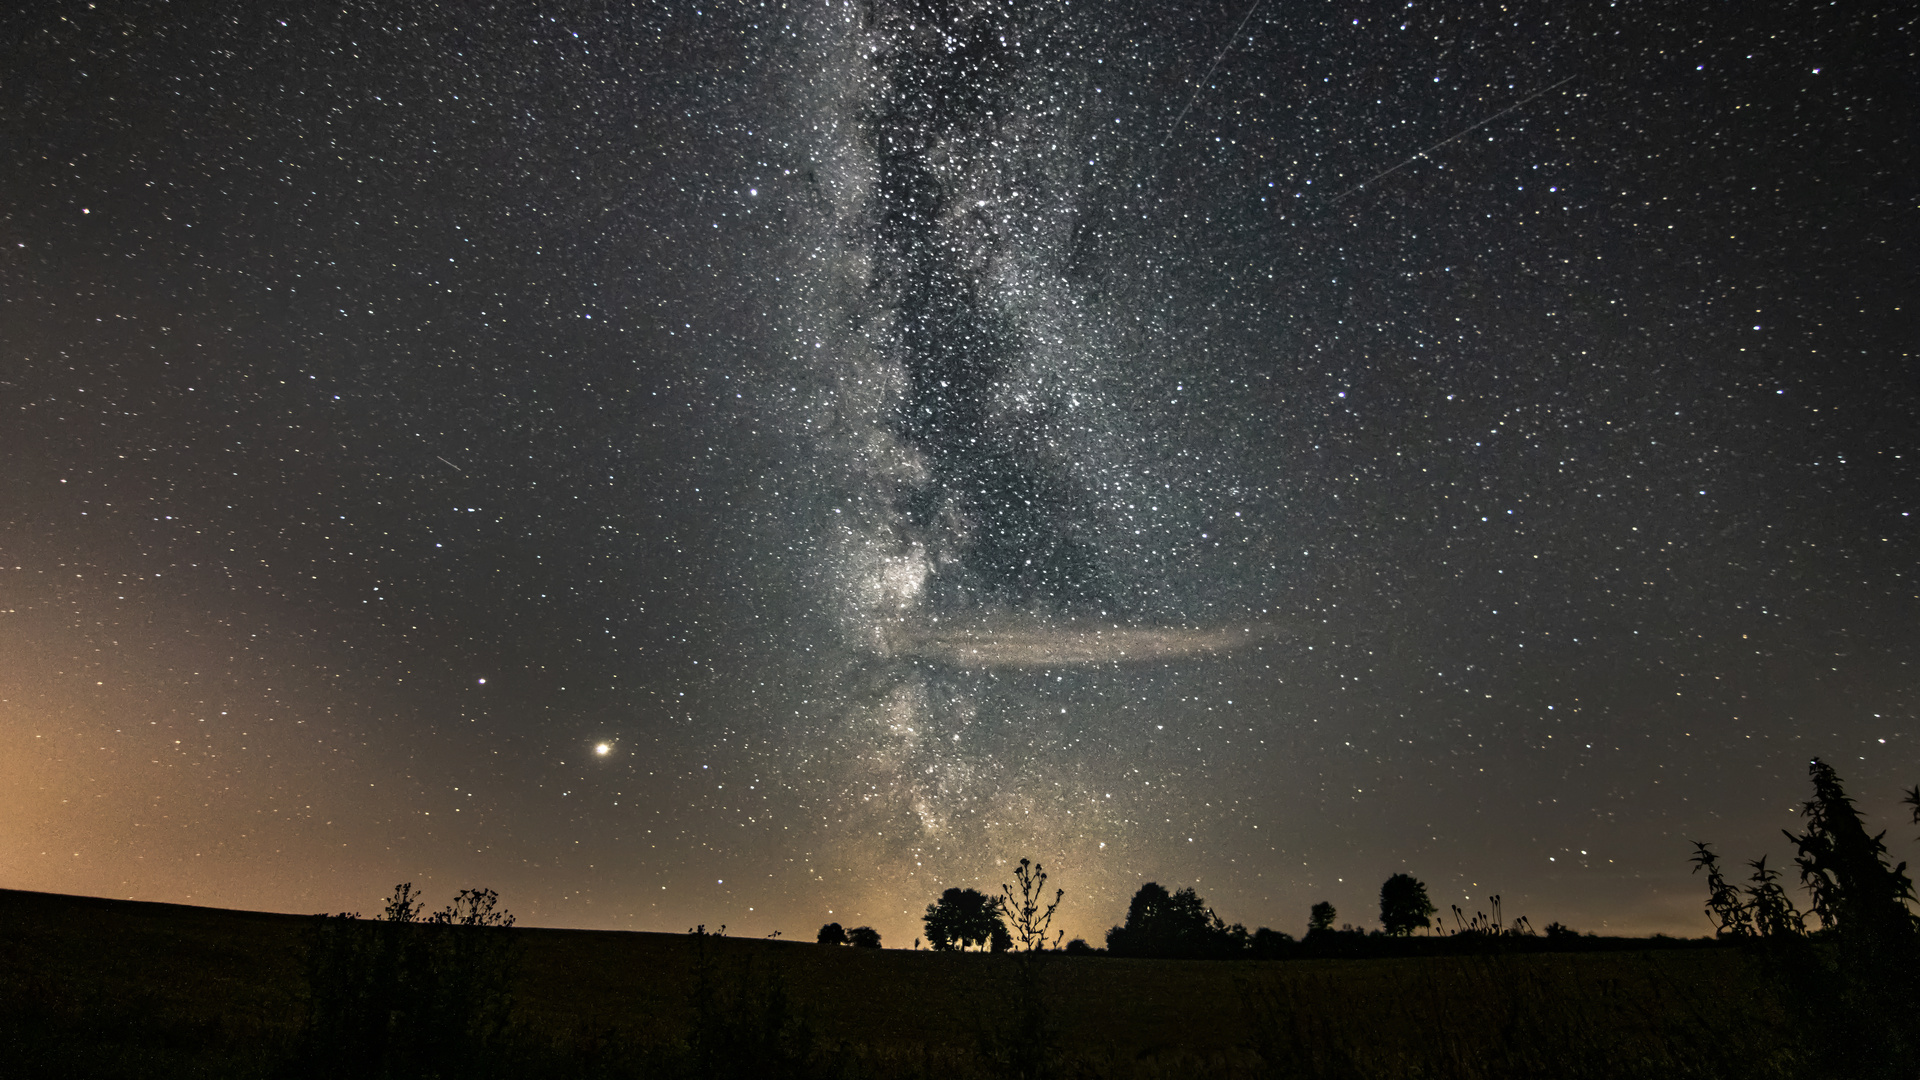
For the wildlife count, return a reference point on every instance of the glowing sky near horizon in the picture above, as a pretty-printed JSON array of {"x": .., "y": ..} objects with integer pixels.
[{"x": 767, "y": 464}]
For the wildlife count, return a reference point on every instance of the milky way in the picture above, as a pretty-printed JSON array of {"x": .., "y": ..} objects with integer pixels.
[
  {"x": 1000, "y": 498},
  {"x": 1261, "y": 447}
]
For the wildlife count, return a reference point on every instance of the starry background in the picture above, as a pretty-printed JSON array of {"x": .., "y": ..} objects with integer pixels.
[{"x": 1263, "y": 449}]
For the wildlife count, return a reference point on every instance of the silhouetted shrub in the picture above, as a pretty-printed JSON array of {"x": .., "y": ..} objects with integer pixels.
[
  {"x": 1079, "y": 947},
  {"x": 1849, "y": 985},
  {"x": 744, "y": 1023},
  {"x": 831, "y": 934},
  {"x": 863, "y": 937},
  {"x": 1846, "y": 872},
  {"x": 406, "y": 996}
]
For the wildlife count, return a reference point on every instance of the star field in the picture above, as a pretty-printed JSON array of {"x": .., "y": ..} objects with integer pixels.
[{"x": 765, "y": 464}]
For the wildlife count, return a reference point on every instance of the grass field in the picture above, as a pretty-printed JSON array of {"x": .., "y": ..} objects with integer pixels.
[{"x": 93, "y": 987}]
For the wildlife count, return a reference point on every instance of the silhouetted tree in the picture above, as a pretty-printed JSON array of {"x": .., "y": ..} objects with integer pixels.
[
  {"x": 1029, "y": 919},
  {"x": 1320, "y": 918},
  {"x": 1179, "y": 924},
  {"x": 831, "y": 934},
  {"x": 961, "y": 918},
  {"x": 1404, "y": 904},
  {"x": 1079, "y": 947},
  {"x": 1231, "y": 940},
  {"x": 998, "y": 939},
  {"x": 1270, "y": 944},
  {"x": 863, "y": 937}
]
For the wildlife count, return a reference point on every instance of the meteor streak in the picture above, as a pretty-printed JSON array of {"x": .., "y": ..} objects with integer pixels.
[
  {"x": 1208, "y": 77},
  {"x": 1452, "y": 137}
]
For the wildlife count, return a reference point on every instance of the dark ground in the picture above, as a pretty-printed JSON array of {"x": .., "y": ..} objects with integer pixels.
[{"x": 92, "y": 987}]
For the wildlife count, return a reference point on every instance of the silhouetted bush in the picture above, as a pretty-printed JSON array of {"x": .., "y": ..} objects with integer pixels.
[
  {"x": 407, "y": 996},
  {"x": 744, "y": 1024},
  {"x": 1851, "y": 984},
  {"x": 863, "y": 937},
  {"x": 832, "y": 934}
]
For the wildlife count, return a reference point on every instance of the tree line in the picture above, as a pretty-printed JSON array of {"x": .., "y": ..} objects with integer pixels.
[
  {"x": 1856, "y": 897},
  {"x": 1179, "y": 924},
  {"x": 431, "y": 994},
  {"x": 420, "y": 994}
]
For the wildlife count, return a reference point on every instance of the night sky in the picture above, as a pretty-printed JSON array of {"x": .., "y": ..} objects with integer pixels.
[{"x": 766, "y": 463}]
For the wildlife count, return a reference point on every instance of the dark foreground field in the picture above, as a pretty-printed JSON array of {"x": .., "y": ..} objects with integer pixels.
[{"x": 114, "y": 988}]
